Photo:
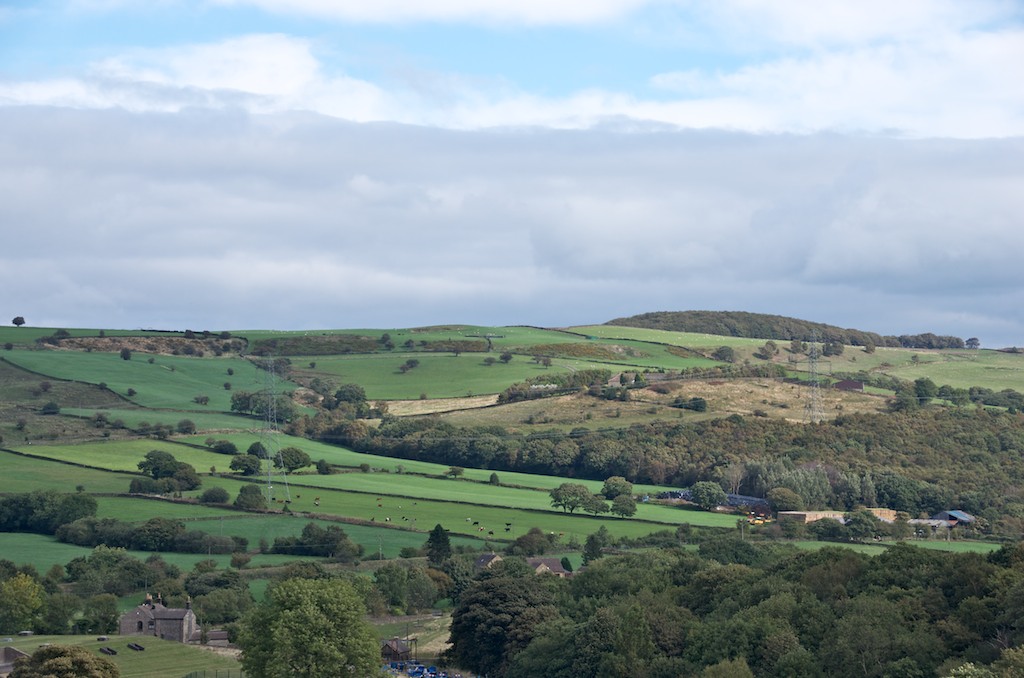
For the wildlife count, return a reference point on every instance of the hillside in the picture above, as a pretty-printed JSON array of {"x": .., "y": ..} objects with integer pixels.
[{"x": 777, "y": 328}]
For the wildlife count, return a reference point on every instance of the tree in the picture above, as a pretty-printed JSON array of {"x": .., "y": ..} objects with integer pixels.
[
  {"x": 246, "y": 464},
  {"x": 832, "y": 348},
  {"x": 160, "y": 464},
  {"x": 973, "y": 343},
  {"x": 624, "y": 505},
  {"x": 505, "y": 357},
  {"x": 925, "y": 389},
  {"x": 18, "y": 321},
  {"x": 250, "y": 498},
  {"x": 50, "y": 408},
  {"x": 726, "y": 354},
  {"x": 495, "y": 619},
  {"x": 309, "y": 627},
  {"x": 785, "y": 499},
  {"x": 258, "y": 450},
  {"x": 707, "y": 494},
  {"x": 595, "y": 504},
  {"x": 768, "y": 351},
  {"x": 100, "y": 613},
  {"x": 494, "y": 479},
  {"x": 455, "y": 472},
  {"x": 292, "y": 459},
  {"x": 65, "y": 661},
  {"x": 350, "y": 393},
  {"x": 439, "y": 547},
  {"x": 186, "y": 426},
  {"x": 21, "y": 600},
  {"x": 126, "y": 354},
  {"x": 570, "y": 496},
  {"x": 615, "y": 486},
  {"x": 593, "y": 545}
]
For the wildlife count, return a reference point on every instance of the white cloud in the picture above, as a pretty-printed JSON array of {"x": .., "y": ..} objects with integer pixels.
[
  {"x": 490, "y": 11},
  {"x": 206, "y": 219},
  {"x": 956, "y": 86}
]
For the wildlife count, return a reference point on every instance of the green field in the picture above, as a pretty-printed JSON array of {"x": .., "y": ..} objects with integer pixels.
[
  {"x": 255, "y": 526},
  {"x": 161, "y": 658},
  {"x": 169, "y": 382},
  {"x": 206, "y": 422},
  {"x": 439, "y": 375},
  {"x": 43, "y": 552},
  {"x": 125, "y": 455},
  {"x": 25, "y": 474},
  {"x": 340, "y": 456},
  {"x": 964, "y": 369}
]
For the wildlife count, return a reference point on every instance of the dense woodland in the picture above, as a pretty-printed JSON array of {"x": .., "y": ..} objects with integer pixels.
[
  {"x": 919, "y": 462},
  {"x": 777, "y": 327},
  {"x": 734, "y": 610}
]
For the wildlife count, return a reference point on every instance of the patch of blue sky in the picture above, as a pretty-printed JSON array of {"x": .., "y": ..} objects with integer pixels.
[{"x": 48, "y": 39}]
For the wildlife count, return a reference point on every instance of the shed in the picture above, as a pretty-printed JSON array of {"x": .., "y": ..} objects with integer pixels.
[
  {"x": 955, "y": 516},
  {"x": 395, "y": 650}
]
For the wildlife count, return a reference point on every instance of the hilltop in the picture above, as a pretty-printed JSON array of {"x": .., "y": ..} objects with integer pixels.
[{"x": 777, "y": 328}]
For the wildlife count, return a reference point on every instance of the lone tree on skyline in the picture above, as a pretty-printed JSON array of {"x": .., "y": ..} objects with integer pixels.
[{"x": 18, "y": 321}]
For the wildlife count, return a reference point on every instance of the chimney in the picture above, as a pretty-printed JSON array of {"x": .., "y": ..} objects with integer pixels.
[{"x": 188, "y": 603}]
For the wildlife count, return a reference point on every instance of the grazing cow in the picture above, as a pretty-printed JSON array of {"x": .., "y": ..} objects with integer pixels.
[
  {"x": 490, "y": 532},
  {"x": 476, "y": 522}
]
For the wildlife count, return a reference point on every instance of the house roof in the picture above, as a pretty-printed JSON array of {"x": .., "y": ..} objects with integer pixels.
[
  {"x": 486, "y": 560},
  {"x": 396, "y": 644},
  {"x": 170, "y": 613},
  {"x": 554, "y": 565}
]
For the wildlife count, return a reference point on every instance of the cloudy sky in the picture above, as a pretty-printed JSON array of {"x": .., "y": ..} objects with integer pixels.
[{"x": 300, "y": 164}]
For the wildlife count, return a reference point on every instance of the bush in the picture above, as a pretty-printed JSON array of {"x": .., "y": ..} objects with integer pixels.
[
  {"x": 50, "y": 408},
  {"x": 215, "y": 495}
]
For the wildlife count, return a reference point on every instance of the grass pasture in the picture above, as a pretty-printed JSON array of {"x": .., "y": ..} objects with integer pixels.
[
  {"x": 963, "y": 369},
  {"x": 422, "y": 514},
  {"x": 439, "y": 375},
  {"x": 43, "y": 552},
  {"x": 206, "y": 422},
  {"x": 169, "y": 382},
  {"x": 25, "y": 474},
  {"x": 344, "y": 457},
  {"x": 125, "y": 455},
  {"x": 255, "y": 526},
  {"x": 161, "y": 658}
]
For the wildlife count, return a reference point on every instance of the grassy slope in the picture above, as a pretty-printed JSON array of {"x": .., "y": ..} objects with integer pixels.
[
  {"x": 160, "y": 659},
  {"x": 24, "y": 474},
  {"x": 169, "y": 382},
  {"x": 43, "y": 552},
  {"x": 437, "y": 375},
  {"x": 125, "y": 455}
]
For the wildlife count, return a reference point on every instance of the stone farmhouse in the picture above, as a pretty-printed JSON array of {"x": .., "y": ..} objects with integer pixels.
[{"x": 152, "y": 618}]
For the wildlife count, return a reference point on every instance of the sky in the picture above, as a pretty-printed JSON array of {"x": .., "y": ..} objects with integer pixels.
[{"x": 307, "y": 164}]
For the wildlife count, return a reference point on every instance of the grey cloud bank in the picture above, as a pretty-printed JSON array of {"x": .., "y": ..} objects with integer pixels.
[{"x": 229, "y": 220}]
